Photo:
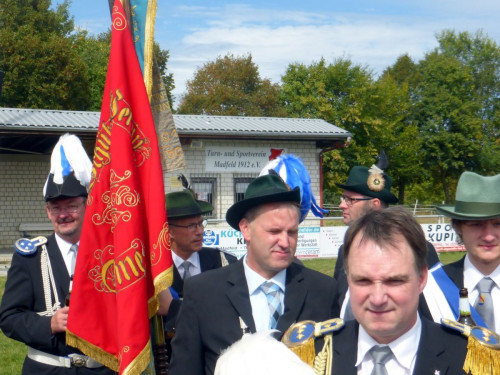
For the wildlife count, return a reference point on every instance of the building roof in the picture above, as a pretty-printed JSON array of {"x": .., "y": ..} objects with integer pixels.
[{"x": 21, "y": 123}]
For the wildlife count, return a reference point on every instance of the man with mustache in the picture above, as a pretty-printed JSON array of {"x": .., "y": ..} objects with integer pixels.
[{"x": 34, "y": 308}]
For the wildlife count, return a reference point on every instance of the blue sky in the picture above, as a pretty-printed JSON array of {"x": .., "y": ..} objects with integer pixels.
[{"x": 370, "y": 33}]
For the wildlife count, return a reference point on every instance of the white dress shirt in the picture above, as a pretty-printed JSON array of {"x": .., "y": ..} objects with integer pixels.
[
  {"x": 404, "y": 350},
  {"x": 472, "y": 276},
  {"x": 258, "y": 299},
  {"x": 64, "y": 247},
  {"x": 194, "y": 259}
]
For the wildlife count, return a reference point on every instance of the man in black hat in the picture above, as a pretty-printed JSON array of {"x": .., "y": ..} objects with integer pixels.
[
  {"x": 33, "y": 308},
  {"x": 186, "y": 223},
  {"x": 263, "y": 290},
  {"x": 366, "y": 190}
]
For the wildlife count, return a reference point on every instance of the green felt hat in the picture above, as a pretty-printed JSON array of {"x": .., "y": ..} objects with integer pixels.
[
  {"x": 376, "y": 185},
  {"x": 477, "y": 198},
  {"x": 183, "y": 204},
  {"x": 269, "y": 188}
]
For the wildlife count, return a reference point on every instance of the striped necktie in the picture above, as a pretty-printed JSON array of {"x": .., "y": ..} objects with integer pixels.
[{"x": 273, "y": 294}]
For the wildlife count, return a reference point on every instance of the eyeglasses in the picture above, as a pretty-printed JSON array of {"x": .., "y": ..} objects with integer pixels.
[
  {"x": 71, "y": 209},
  {"x": 350, "y": 201},
  {"x": 191, "y": 227}
]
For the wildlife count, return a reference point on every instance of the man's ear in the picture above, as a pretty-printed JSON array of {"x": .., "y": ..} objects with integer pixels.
[
  {"x": 245, "y": 229},
  {"x": 376, "y": 203}
]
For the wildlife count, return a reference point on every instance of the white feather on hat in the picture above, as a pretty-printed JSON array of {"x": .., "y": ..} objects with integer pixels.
[{"x": 69, "y": 156}]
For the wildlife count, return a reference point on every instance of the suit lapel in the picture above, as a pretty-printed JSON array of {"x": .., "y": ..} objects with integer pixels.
[
  {"x": 208, "y": 259},
  {"x": 430, "y": 348},
  {"x": 237, "y": 293},
  {"x": 455, "y": 271},
  {"x": 295, "y": 295},
  {"x": 59, "y": 269},
  {"x": 345, "y": 350}
]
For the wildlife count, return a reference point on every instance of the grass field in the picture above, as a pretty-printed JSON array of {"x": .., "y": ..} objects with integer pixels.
[{"x": 12, "y": 352}]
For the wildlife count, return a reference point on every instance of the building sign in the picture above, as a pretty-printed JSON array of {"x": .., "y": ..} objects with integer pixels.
[
  {"x": 238, "y": 159},
  {"x": 324, "y": 242}
]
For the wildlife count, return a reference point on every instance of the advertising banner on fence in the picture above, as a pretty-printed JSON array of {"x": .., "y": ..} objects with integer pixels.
[{"x": 324, "y": 242}]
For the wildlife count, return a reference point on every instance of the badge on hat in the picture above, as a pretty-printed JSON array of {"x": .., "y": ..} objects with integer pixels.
[
  {"x": 70, "y": 170},
  {"x": 376, "y": 180}
]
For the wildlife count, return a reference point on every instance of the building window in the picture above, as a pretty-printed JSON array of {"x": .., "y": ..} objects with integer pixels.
[
  {"x": 204, "y": 187},
  {"x": 240, "y": 186}
]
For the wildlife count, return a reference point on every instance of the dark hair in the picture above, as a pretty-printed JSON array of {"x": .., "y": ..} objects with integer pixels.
[
  {"x": 382, "y": 226},
  {"x": 457, "y": 223}
]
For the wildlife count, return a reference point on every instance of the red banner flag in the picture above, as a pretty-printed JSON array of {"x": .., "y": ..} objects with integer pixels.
[{"x": 124, "y": 258}]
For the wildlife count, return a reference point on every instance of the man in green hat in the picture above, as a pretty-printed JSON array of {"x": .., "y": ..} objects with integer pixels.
[
  {"x": 186, "y": 224},
  {"x": 366, "y": 190},
  {"x": 475, "y": 217},
  {"x": 264, "y": 290}
]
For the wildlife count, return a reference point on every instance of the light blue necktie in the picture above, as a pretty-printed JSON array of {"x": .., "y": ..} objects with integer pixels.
[{"x": 272, "y": 292}]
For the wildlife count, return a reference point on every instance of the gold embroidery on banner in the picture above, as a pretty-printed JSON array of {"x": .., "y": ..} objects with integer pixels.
[
  {"x": 118, "y": 19},
  {"x": 115, "y": 274},
  {"x": 121, "y": 115},
  {"x": 115, "y": 199},
  {"x": 161, "y": 245}
]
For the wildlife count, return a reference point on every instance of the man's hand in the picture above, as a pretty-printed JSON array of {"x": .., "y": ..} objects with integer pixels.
[
  {"x": 59, "y": 320},
  {"x": 165, "y": 298}
]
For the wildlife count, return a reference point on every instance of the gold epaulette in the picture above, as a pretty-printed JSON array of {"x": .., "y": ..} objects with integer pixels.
[
  {"x": 483, "y": 348},
  {"x": 300, "y": 339}
]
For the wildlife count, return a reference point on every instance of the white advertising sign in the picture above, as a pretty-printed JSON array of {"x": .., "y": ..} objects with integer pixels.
[
  {"x": 238, "y": 159},
  {"x": 442, "y": 236},
  {"x": 324, "y": 242}
]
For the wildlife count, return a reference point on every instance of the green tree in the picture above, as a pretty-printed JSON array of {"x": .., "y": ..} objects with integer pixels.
[
  {"x": 446, "y": 111},
  {"x": 42, "y": 69},
  {"x": 481, "y": 55},
  {"x": 231, "y": 86},
  {"x": 339, "y": 93},
  {"x": 94, "y": 52}
]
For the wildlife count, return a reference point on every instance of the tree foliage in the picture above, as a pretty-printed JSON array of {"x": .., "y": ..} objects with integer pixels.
[
  {"x": 231, "y": 86},
  {"x": 50, "y": 64},
  {"x": 42, "y": 67}
]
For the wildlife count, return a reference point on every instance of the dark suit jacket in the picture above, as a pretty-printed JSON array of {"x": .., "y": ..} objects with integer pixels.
[
  {"x": 340, "y": 276},
  {"x": 210, "y": 259},
  {"x": 215, "y": 300},
  {"x": 439, "y": 349},
  {"x": 24, "y": 297}
]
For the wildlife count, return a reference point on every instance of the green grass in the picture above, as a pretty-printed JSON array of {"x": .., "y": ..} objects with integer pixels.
[{"x": 12, "y": 352}]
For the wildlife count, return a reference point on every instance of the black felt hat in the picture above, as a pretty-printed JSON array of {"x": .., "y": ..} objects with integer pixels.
[
  {"x": 264, "y": 189},
  {"x": 376, "y": 185}
]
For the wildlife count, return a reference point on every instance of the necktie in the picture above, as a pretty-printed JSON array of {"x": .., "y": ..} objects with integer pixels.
[
  {"x": 484, "y": 303},
  {"x": 381, "y": 355},
  {"x": 72, "y": 253},
  {"x": 186, "y": 264},
  {"x": 272, "y": 292}
]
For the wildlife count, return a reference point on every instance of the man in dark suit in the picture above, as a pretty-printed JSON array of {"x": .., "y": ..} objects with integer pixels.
[
  {"x": 186, "y": 223},
  {"x": 263, "y": 290},
  {"x": 33, "y": 308},
  {"x": 366, "y": 190},
  {"x": 384, "y": 254},
  {"x": 475, "y": 217}
]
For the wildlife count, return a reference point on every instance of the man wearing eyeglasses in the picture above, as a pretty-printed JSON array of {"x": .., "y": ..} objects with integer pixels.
[
  {"x": 34, "y": 307},
  {"x": 186, "y": 224},
  {"x": 366, "y": 190}
]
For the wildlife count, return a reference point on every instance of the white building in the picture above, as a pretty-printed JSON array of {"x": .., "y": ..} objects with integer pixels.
[{"x": 223, "y": 153}]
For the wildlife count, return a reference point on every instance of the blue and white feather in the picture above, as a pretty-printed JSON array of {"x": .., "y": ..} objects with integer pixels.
[
  {"x": 69, "y": 155},
  {"x": 293, "y": 171}
]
